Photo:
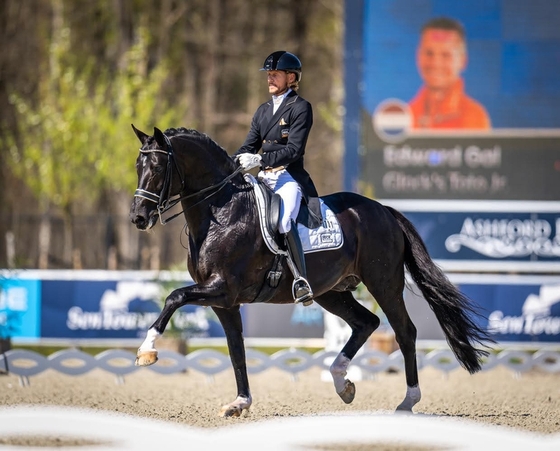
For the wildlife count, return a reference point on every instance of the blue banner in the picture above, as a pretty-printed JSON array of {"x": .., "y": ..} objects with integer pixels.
[
  {"x": 519, "y": 312},
  {"x": 490, "y": 236},
  {"x": 20, "y": 308},
  {"x": 116, "y": 309},
  {"x": 124, "y": 304},
  {"x": 522, "y": 309}
]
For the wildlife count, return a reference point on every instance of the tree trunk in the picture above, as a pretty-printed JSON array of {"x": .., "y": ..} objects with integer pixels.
[
  {"x": 10, "y": 249},
  {"x": 44, "y": 241},
  {"x": 68, "y": 233},
  {"x": 210, "y": 69},
  {"x": 125, "y": 241}
]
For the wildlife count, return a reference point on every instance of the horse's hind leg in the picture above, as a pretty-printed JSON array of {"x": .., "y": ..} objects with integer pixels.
[
  {"x": 405, "y": 334},
  {"x": 362, "y": 322}
]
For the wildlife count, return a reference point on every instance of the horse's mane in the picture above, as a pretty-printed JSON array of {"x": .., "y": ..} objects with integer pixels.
[
  {"x": 182, "y": 131},
  {"x": 212, "y": 148},
  {"x": 191, "y": 133}
]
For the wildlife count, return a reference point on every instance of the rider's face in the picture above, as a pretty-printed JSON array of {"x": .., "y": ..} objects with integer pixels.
[{"x": 278, "y": 81}]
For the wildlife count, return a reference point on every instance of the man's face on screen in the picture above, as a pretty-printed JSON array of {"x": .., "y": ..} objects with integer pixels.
[{"x": 441, "y": 57}]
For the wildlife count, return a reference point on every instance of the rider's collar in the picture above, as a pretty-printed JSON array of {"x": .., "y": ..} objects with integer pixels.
[{"x": 279, "y": 99}]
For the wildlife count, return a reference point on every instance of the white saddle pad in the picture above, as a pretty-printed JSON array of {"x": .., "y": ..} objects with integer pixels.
[{"x": 326, "y": 237}]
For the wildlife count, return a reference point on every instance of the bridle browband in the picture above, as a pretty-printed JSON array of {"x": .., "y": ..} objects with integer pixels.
[{"x": 164, "y": 200}]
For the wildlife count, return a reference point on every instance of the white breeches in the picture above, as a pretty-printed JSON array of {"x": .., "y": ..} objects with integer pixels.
[{"x": 288, "y": 189}]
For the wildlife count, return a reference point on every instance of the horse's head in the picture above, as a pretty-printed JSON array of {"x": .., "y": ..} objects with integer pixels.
[
  {"x": 163, "y": 169},
  {"x": 157, "y": 178}
]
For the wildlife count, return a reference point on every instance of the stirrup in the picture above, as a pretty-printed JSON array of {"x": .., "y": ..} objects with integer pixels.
[{"x": 301, "y": 291}]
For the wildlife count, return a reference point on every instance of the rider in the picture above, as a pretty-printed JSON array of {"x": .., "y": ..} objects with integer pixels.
[{"x": 280, "y": 128}]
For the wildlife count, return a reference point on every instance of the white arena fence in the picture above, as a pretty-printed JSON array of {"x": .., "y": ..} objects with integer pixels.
[
  {"x": 119, "y": 362},
  {"x": 379, "y": 429}
]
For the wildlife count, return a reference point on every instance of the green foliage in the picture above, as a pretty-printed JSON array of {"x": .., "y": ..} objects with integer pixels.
[
  {"x": 330, "y": 113},
  {"x": 77, "y": 141}
]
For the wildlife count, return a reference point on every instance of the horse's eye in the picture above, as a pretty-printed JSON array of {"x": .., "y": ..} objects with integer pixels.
[{"x": 158, "y": 169}]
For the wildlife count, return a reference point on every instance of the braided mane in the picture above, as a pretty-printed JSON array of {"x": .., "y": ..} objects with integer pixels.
[
  {"x": 208, "y": 143},
  {"x": 196, "y": 134}
]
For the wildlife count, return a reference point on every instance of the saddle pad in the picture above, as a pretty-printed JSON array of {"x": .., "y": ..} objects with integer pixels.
[{"x": 326, "y": 237}]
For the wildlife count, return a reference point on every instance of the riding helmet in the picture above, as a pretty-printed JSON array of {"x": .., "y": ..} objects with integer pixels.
[{"x": 282, "y": 60}]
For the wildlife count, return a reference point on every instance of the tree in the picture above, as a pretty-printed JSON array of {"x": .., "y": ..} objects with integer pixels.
[
  {"x": 73, "y": 145},
  {"x": 91, "y": 68}
]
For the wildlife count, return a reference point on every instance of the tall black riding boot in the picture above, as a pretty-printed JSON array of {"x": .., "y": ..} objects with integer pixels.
[{"x": 301, "y": 289}]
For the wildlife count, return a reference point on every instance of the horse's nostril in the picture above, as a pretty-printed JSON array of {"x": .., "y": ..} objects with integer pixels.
[{"x": 139, "y": 220}]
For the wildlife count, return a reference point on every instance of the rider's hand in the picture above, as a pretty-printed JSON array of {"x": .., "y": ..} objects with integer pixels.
[{"x": 249, "y": 160}]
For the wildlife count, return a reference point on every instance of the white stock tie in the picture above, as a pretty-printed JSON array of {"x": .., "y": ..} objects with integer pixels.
[{"x": 276, "y": 101}]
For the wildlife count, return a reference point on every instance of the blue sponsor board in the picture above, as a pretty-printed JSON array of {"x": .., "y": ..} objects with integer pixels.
[
  {"x": 499, "y": 236},
  {"x": 123, "y": 305},
  {"x": 117, "y": 305},
  {"x": 20, "y": 308},
  {"x": 514, "y": 308},
  {"x": 95, "y": 304},
  {"x": 523, "y": 310},
  {"x": 113, "y": 305},
  {"x": 116, "y": 309}
]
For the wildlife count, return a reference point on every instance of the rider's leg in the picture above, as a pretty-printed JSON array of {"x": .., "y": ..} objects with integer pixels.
[
  {"x": 290, "y": 192},
  {"x": 301, "y": 289}
]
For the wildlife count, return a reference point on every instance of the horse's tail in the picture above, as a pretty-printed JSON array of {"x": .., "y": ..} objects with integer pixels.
[{"x": 453, "y": 310}]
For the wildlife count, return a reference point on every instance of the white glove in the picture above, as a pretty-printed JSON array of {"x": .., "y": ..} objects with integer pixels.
[{"x": 249, "y": 160}]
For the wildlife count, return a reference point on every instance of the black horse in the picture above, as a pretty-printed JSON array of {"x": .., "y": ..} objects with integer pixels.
[{"x": 229, "y": 261}]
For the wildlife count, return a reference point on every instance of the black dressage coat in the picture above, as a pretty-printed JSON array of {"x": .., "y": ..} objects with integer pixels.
[{"x": 283, "y": 137}]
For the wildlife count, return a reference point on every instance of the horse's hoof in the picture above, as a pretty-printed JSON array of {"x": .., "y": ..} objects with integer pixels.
[
  {"x": 412, "y": 398},
  {"x": 404, "y": 410},
  {"x": 231, "y": 411},
  {"x": 146, "y": 358},
  {"x": 348, "y": 393}
]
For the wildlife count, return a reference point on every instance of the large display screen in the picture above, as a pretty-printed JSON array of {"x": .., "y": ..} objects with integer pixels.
[{"x": 453, "y": 100}]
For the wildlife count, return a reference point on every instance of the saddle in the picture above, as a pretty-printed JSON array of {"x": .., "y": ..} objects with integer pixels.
[
  {"x": 269, "y": 207},
  {"x": 309, "y": 213}
]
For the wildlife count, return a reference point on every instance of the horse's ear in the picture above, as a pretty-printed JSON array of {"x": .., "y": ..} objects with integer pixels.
[
  {"x": 160, "y": 139},
  {"x": 141, "y": 135}
]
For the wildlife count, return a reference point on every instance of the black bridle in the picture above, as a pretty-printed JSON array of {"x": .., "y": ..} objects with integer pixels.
[{"x": 165, "y": 200}]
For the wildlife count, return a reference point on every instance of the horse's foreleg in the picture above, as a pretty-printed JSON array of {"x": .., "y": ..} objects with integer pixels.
[
  {"x": 193, "y": 294},
  {"x": 147, "y": 354},
  {"x": 362, "y": 322},
  {"x": 345, "y": 388},
  {"x": 233, "y": 328}
]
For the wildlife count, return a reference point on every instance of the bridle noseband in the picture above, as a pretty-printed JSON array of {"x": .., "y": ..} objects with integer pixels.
[{"x": 164, "y": 200}]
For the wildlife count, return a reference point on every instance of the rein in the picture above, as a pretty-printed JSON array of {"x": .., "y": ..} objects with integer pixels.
[{"x": 164, "y": 200}]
